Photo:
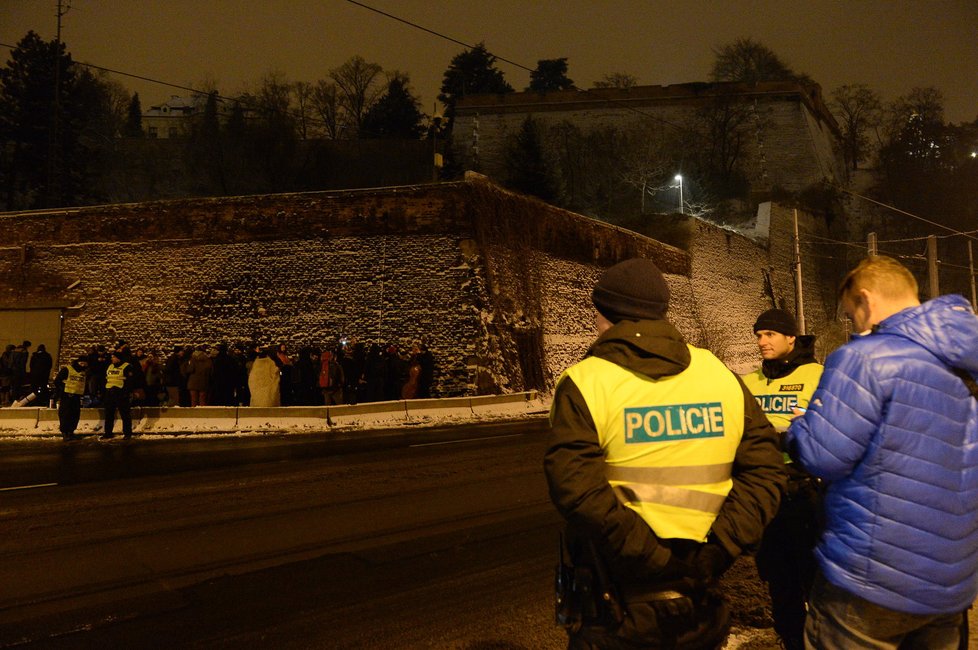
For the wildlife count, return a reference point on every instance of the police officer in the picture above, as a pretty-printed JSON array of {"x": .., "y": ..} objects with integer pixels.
[
  {"x": 783, "y": 386},
  {"x": 665, "y": 470},
  {"x": 70, "y": 383},
  {"x": 119, "y": 379}
]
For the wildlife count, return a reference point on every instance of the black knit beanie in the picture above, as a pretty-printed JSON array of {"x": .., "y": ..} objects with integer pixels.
[
  {"x": 632, "y": 290},
  {"x": 777, "y": 320}
]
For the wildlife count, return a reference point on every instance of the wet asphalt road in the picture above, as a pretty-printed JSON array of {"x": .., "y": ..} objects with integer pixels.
[{"x": 433, "y": 539}]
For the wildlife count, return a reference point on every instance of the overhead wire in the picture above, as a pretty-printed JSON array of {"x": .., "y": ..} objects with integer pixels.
[
  {"x": 243, "y": 100},
  {"x": 623, "y": 103},
  {"x": 969, "y": 234}
]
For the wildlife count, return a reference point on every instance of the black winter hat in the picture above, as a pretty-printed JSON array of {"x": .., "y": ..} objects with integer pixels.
[
  {"x": 777, "y": 320},
  {"x": 632, "y": 290}
]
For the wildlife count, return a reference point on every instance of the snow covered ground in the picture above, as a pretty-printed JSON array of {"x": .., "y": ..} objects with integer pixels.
[{"x": 161, "y": 422}]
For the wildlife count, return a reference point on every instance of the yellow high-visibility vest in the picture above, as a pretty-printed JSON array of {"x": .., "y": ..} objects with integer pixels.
[
  {"x": 669, "y": 443},
  {"x": 115, "y": 376},
  {"x": 778, "y": 397},
  {"x": 75, "y": 381}
]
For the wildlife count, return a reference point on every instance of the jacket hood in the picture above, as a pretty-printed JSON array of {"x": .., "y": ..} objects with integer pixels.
[
  {"x": 653, "y": 348},
  {"x": 803, "y": 353},
  {"x": 945, "y": 326}
]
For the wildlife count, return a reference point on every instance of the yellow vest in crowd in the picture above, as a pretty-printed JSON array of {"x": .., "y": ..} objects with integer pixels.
[
  {"x": 778, "y": 397},
  {"x": 670, "y": 443},
  {"x": 75, "y": 381},
  {"x": 115, "y": 377}
]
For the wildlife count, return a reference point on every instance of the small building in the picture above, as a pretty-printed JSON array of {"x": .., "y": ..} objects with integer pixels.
[{"x": 172, "y": 118}]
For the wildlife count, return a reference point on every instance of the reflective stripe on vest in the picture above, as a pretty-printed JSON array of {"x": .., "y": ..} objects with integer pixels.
[
  {"x": 115, "y": 377},
  {"x": 75, "y": 381},
  {"x": 777, "y": 397},
  {"x": 670, "y": 443}
]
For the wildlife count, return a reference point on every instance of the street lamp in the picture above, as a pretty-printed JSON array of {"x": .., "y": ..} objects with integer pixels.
[{"x": 679, "y": 179}]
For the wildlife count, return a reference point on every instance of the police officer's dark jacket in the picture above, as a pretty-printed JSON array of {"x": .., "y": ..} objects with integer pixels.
[{"x": 578, "y": 474}]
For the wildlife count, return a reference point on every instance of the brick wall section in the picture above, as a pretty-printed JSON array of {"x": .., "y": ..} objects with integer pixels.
[
  {"x": 498, "y": 284},
  {"x": 794, "y": 141}
]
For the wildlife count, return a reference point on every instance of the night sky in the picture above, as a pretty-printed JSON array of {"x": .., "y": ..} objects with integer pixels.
[{"x": 892, "y": 46}]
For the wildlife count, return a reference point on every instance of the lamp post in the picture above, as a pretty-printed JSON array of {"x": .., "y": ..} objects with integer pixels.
[{"x": 679, "y": 179}]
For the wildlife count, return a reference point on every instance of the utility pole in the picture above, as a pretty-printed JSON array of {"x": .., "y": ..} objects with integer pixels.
[
  {"x": 971, "y": 276},
  {"x": 871, "y": 244},
  {"x": 932, "y": 266},
  {"x": 799, "y": 296},
  {"x": 54, "y": 178}
]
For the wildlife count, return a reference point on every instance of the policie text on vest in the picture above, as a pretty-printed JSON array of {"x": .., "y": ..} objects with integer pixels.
[{"x": 673, "y": 422}]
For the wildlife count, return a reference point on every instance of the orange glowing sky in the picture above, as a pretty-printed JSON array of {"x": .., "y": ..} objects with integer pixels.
[{"x": 891, "y": 45}]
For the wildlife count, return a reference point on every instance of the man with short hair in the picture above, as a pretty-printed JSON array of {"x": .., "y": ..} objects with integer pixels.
[
  {"x": 665, "y": 470},
  {"x": 893, "y": 430},
  {"x": 783, "y": 384}
]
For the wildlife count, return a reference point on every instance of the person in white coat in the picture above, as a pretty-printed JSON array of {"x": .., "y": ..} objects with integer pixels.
[{"x": 263, "y": 380}]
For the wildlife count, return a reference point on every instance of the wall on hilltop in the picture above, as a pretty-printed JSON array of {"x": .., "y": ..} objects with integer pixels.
[
  {"x": 496, "y": 283},
  {"x": 794, "y": 138}
]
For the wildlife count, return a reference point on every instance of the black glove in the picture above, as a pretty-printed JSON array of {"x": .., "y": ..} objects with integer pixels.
[
  {"x": 709, "y": 562},
  {"x": 673, "y": 608}
]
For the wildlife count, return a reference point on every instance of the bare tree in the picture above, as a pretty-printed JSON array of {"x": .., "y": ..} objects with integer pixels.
[
  {"x": 302, "y": 93},
  {"x": 859, "y": 109},
  {"x": 359, "y": 87},
  {"x": 617, "y": 80},
  {"x": 326, "y": 103},
  {"x": 748, "y": 61}
]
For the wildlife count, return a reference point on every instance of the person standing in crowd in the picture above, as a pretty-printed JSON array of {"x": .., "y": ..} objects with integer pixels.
[
  {"x": 375, "y": 374},
  {"x": 20, "y": 381},
  {"x": 39, "y": 373},
  {"x": 199, "y": 371},
  {"x": 7, "y": 375},
  {"x": 893, "y": 430},
  {"x": 242, "y": 366},
  {"x": 331, "y": 379},
  {"x": 98, "y": 361},
  {"x": 284, "y": 362},
  {"x": 306, "y": 373},
  {"x": 784, "y": 383},
  {"x": 70, "y": 385},
  {"x": 353, "y": 360},
  {"x": 224, "y": 378},
  {"x": 173, "y": 376},
  {"x": 665, "y": 470},
  {"x": 411, "y": 388},
  {"x": 151, "y": 375},
  {"x": 427, "y": 376},
  {"x": 264, "y": 379},
  {"x": 119, "y": 379}
]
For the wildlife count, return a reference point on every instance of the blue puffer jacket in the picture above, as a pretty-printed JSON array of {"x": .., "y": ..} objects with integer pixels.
[{"x": 895, "y": 433}]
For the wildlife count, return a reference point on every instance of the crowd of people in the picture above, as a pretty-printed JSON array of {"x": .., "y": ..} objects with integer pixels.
[
  {"x": 225, "y": 375},
  {"x": 23, "y": 373},
  {"x": 240, "y": 375}
]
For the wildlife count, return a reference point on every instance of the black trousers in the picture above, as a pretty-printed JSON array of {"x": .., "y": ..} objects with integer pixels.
[
  {"x": 786, "y": 561},
  {"x": 117, "y": 400},
  {"x": 69, "y": 412}
]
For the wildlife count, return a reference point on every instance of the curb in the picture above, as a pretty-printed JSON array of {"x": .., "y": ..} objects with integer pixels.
[{"x": 165, "y": 420}]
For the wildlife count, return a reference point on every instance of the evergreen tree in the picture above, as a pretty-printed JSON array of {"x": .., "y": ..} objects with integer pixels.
[
  {"x": 396, "y": 114},
  {"x": 527, "y": 169},
  {"x": 134, "y": 119},
  {"x": 550, "y": 74},
  {"x": 471, "y": 72},
  {"x": 44, "y": 159}
]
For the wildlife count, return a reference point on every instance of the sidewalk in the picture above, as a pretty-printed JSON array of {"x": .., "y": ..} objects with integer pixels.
[{"x": 225, "y": 420}]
